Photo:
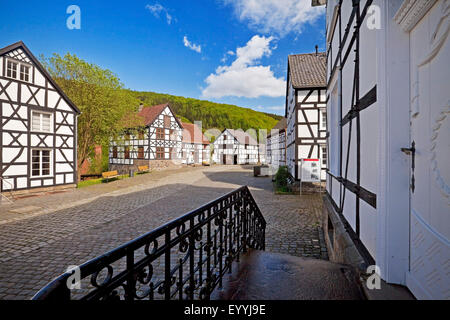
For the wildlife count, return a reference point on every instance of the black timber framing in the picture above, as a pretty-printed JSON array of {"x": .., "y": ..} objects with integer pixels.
[
  {"x": 32, "y": 104},
  {"x": 365, "y": 102},
  {"x": 148, "y": 131},
  {"x": 313, "y": 141},
  {"x": 358, "y": 105}
]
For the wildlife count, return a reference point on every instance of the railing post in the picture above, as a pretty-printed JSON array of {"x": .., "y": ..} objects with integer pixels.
[
  {"x": 221, "y": 252},
  {"x": 129, "y": 295},
  {"x": 191, "y": 259},
  {"x": 167, "y": 278},
  {"x": 230, "y": 239},
  {"x": 208, "y": 253},
  {"x": 244, "y": 216}
]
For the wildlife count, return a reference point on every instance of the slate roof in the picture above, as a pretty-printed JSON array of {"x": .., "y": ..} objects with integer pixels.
[
  {"x": 193, "y": 134},
  {"x": 280, "y": 126},
  {"x": 308, "y": 70}
]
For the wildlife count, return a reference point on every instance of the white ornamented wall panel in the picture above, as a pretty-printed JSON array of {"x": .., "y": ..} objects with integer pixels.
[{"x": 429, "y": 274}]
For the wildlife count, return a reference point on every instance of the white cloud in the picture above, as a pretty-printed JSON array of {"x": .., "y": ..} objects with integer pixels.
[
  {"x": 276, "y": 108},
  {"x": 192, "y": 46},
  {"x": 276, "y": 16},
  {"x": 225, "y": 56},
  {"x": 270, "y": 109},
  {"x": 157, "y": 10},
  {"x": 244, "y": 78}
]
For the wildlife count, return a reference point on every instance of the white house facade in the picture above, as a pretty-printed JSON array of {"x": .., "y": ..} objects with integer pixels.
[
  {"x": 306, "y": 112},
  {"x": 196, "y": 148},
  {"x": 38, "y": 126},
  {"x": 233, "y": 147},
  {"x": 276, "y": 146},
  {"x": 158, "y": 144},
  {"x": 388, "y": 103}
]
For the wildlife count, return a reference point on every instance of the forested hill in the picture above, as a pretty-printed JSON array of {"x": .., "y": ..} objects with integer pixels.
[{"x": 213, "y": 115}]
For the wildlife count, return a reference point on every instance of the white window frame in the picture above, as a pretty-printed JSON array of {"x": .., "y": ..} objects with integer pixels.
[
  {"x": 18, "y": 72},
  {"x": 7, "y": 68},
  {"x": 40, "y": 163},
  {"x": 40, "y": 121},
  {"x": 29, "y": 72}
]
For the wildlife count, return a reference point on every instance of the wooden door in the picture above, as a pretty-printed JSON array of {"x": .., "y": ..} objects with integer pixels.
[{"x": 429, "y": 265}]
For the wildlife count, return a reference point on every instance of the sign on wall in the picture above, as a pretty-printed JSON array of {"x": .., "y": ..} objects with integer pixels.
[{"x": 310, "y": 170}]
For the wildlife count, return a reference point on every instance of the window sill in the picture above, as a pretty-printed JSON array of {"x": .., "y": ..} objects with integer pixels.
[{"x": 18, "y": 80}]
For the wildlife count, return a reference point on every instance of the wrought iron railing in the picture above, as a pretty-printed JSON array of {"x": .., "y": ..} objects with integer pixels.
[{"x": 184, "y": 259}]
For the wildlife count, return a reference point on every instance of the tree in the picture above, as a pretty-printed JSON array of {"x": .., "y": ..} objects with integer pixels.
[{"x": 98, "y": 94}]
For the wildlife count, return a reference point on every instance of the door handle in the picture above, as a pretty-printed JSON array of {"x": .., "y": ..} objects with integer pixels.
[{"x": 412, "y": 152}]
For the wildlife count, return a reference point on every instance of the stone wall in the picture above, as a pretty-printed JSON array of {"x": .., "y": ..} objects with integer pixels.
[
  {"x": 34, "y": 191},
  {"x": 341, "y": 247}
]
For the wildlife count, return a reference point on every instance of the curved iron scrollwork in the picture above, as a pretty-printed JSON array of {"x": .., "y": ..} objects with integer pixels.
[{"x": 184, "y": 259}]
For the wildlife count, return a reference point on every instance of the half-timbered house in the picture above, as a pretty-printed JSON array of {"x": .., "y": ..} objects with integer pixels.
[
  {"x": 158, "y": 144},
  {"x": 234, "y": 147},
  {"x": 38, "y": 126},
  {"x": 306, "y": 111},
  {"x": 195, "y": 145},
  {"x": 388, "y": 94},
  {"x": 276, "y": 146}
]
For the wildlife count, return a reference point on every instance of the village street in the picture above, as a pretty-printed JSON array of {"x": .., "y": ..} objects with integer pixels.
[{"x": 38, "y": 245}]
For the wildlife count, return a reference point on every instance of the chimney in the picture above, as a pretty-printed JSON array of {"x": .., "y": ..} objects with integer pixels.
[
  {"x": 317, "y": 50},
  {"x": 141, "y": 106}
]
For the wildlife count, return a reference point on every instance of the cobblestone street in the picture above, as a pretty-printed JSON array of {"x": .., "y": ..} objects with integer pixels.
[{"x": 37, "y": 247}]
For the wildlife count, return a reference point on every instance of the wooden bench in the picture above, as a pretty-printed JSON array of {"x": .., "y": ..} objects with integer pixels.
[
  {"x": 143, "y": 169},
  {"x": 110, "y": 175}
]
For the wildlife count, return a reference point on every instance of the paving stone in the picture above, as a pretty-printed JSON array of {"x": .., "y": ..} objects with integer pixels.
[{"x": 35, "y": 250}]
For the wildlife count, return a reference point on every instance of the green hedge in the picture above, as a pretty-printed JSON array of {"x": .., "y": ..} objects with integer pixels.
[{"x": 281, "y": 179}]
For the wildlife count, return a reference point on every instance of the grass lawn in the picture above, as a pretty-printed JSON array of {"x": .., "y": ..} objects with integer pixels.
[{"x": 92, "y": 182}]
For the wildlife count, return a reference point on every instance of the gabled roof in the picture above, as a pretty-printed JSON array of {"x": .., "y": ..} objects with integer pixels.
[
  {"x": 151, "y": 113},
  {"x": 308, "y": 70},
  {"x": 21, "y": 45},
  {"x": 193, "y": 134},
  {"x": 280, "y": 126},
  {"x": 242, "y": 137}
]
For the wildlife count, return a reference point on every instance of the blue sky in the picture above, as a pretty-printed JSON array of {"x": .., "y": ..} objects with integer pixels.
[{"x": 186, "y": 48}]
